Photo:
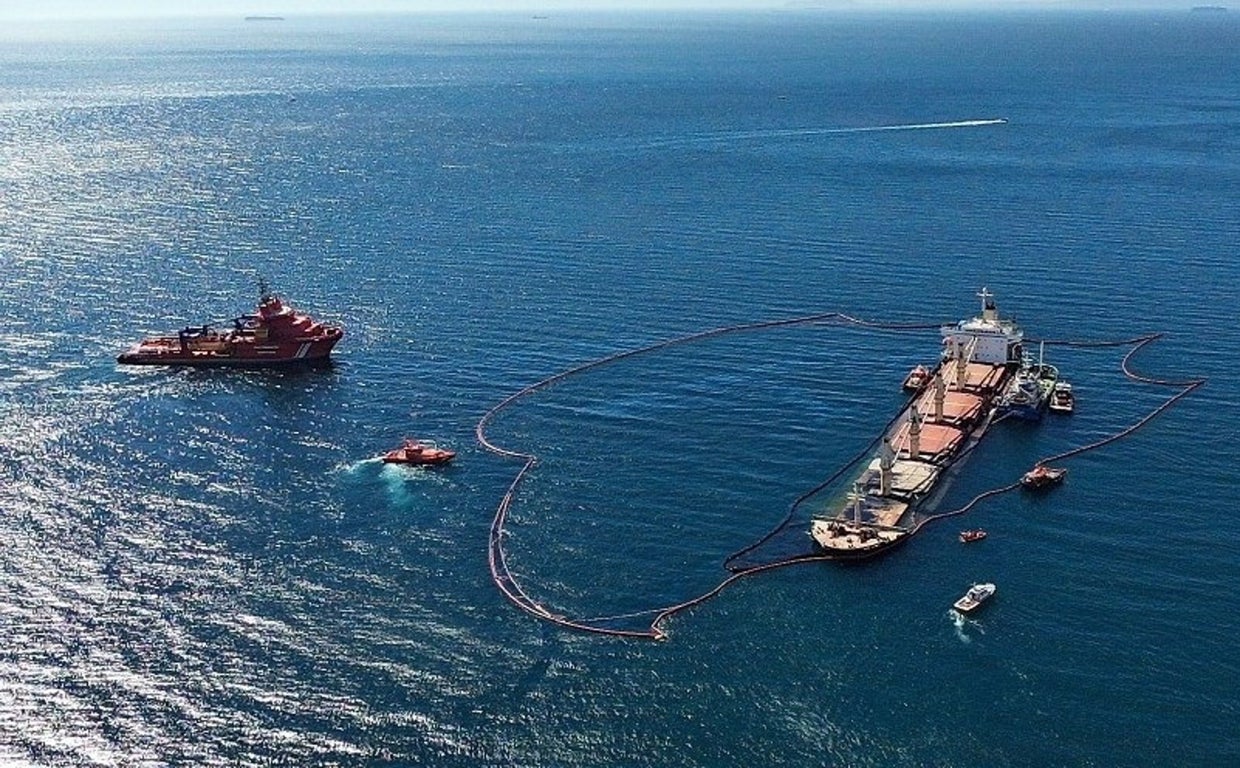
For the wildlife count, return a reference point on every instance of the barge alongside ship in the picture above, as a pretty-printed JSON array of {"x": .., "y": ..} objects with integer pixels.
[{"x": 942, "y": 422}]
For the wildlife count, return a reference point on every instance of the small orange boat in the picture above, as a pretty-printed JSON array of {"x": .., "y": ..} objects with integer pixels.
[
  {"x": 418, "y": 454},
  {"x": 1042, "y": 476},
  {"x": 976, "y": 534}
]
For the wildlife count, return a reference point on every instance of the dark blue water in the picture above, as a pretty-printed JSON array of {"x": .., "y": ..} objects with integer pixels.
[{"x": 206, "y": 568}]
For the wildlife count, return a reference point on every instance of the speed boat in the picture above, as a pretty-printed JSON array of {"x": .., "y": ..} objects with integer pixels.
[{"x": 977, "y": 594}]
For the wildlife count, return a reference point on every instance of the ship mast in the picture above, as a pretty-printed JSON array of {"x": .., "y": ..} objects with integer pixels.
[
  {"x": 914, "y": 433},
  {"x": 886, "y": 460},
  {"x": 940, "y": 395},
  {"x": 989, "y": 312},
  {"x": 963, "y": 353}
]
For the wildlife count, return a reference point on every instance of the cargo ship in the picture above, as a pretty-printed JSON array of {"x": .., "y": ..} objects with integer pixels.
[
  {"x": 275, "y": 335},
  {"x": 946, "y": 417}
]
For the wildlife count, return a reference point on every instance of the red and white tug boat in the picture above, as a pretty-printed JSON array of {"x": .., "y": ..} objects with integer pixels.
[
  {"x": 416, "y": 453},
  {"x": 976, "y": 534},
  {"x": 276, "y": 334},
  {"x": 1043, "y": 476}
]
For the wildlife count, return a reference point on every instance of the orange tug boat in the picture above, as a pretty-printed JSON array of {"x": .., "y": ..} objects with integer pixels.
[
  {"x": 275, "y": 335},
  {"x": 418, "y": 454}
]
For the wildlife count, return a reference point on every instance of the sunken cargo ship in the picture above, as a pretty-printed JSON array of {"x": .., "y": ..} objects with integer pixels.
[{"x": 953, "y": 405}]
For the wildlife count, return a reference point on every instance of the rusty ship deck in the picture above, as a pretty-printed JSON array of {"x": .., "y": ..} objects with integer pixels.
[{"x": 936, "y": 428}]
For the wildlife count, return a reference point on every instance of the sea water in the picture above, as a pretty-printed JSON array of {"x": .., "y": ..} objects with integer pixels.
[{"x": 211, "y": 568}]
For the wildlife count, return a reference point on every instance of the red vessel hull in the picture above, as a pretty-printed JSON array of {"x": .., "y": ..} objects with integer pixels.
[
  {"x": 400, "y": 458},
  {"x": 167, "y": 351},
  {"x": 416, "y": 454}
]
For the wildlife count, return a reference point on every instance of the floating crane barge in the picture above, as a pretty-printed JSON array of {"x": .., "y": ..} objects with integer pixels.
[{"x": 946, "y": 417}]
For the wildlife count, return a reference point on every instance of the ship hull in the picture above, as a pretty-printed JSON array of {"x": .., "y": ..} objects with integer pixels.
[
  {"x": 275, "y": 335},
  {"x": 1022, "y": 412},
  {"x": 163, "y": 352},
  {"x": 845, "y": 554}
]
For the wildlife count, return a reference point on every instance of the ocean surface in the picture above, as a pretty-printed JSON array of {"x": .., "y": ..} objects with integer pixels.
[{"x": 211, "y": 568}]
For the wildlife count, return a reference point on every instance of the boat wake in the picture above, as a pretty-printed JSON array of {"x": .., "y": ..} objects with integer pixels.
[
  {"x": 961, "y": 623},
  {"x": 400, "y": 482},
  {"x": 357, "y": 467},
  {"x": 918, "y": 126},
  {"x": 962, "y": 123},
  {"x": 395, "y": 479},
  {"x": 726, "y": 137}
]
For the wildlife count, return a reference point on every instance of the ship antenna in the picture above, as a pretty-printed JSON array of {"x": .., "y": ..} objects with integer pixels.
[
  {"x": 264, "y": 290},
  {"x": 986, "y": 297}
]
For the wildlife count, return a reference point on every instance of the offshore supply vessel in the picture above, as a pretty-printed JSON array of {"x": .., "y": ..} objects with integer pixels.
[
  {"x": 942, "y": 421},
  {"x": 276, "y": 334}
]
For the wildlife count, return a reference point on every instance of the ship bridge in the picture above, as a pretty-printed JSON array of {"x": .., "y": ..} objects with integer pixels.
[{"x": 984, "y": 339}]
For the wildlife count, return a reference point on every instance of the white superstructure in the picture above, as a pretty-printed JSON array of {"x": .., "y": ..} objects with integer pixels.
[{"x": 985, "y": 338}]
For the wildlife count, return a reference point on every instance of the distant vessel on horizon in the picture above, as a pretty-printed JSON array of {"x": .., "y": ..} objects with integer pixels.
[
  {"x": 1208, "y": 8},
  {"x": 264, "y": 18}
]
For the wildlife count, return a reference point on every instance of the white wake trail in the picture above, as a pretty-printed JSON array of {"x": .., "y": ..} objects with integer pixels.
[
  {"x": 923, "y": 126},
  {"x": 795, "y": 133}
]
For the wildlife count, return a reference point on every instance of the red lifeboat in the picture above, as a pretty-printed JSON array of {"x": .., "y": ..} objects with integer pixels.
[
  {"x": 976, "y": 534},
  {"x": 418, "y": 454}
]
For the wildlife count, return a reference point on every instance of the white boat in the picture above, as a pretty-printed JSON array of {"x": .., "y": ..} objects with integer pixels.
[
  {"x": 977, "y": 594},
  {"x": 1062, "y": 400}
]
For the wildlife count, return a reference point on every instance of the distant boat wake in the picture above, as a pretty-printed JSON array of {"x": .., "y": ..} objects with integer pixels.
[
  {"x": 921, "y": 126},
  {"x": 796, "y": 133}
]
